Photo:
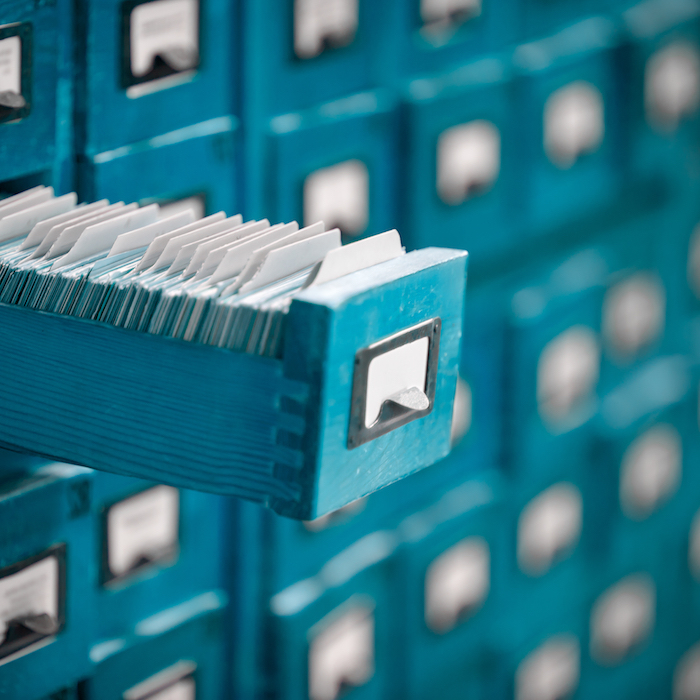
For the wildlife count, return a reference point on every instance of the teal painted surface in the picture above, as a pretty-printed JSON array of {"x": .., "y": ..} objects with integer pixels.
[
  {"x": 108, "y": 117},
  {"x": 189, "y": 635},
  {"x": 149, "y": 170},
  {"x": 386, "y": 98},
  {"x": 193, "y": 567},
  {"x": 51, "y": 508}
]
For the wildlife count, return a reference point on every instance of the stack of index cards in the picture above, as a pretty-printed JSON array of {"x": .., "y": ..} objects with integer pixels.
[{"x": 217, "y": 281}]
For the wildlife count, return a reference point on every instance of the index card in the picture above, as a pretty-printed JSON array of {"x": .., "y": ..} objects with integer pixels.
[
  {"x": 256, "y": 259},
  {"x": 100, "y": 237},
  {"x": 55, "y": 232},
  {"x": 237, "y": 256},
  {"x": 14, "y": 198},
  {"x": 158, "y": 245},
  {"x": 38, "y": 233},
  {"x": 186, "y": 245},
  {"x": 144, "y": 236},
  {"x": 37, "y": 196},
  {"x": 292, "y": 258},
  {"x": 359, "y": 255},
  {"x": 208, "y": 256},
  {"x": 67, "y": 238},
  {"x": 22, "y": 222}
]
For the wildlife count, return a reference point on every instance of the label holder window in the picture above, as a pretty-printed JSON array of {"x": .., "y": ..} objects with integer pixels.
[
  {"x": 393, "y": 413},
  {"x": 161, "y": 68},
  {"x": 13, "y": 106},
  {"x": 20, "y": 637},
  {"x": 165, "y": 557},
  {"x": 177, "y": 681},
  {"x": 321, "y": 28}
]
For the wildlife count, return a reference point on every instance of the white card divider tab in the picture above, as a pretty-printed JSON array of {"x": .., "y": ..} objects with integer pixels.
[
  {"x": 101, "y": 237},
  {"x": 210, "y": 254},
  {"x": 186, "y": 253},
  {"x": 239, "y": 253},
  {"x": 40, "y": 231},
  {"x": 174, "y": 245},
  {"x": 158, "y": 246},
  {"x": 144, "y": 236},
  {"x": 205, "y": 247},
  {"x": 84, "y": 220},
  {"x": 188, "y": 247},
  {"x": 70, "y": 236},
  {"x": 256, "y": 260},
  {"x": 20, "y": 195},
  {"x": 22, "y": 222},
  {"x": 29, "y": 200},
  {"x": 286, "y": 260},
  {"x": 357, "y": 256},
  {"x": 236, "y": 254}
]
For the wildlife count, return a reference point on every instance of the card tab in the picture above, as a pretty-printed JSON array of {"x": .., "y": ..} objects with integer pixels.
[
  {"x": 40, "y": 231},
  {"x": 359, "y": 255},
  {"x": 186, "y": 246},
  {"x": 287, "y": 260},
  {"x": 208, "y": 257},
  {"x": 69, "y": 236},
  {"x": 100, "y": 237},
  {"x": 73, "y": 227},
  {"x": 22, "y": 222},
  {"x": 236, "y": 257},
  {"x": 11, "y": 205},
  {"x": 278, "y": 263},
  {"x": 144, "y": 236},
  {"x": 21, "y": 195},
  {"x": 160, "y": 242}
]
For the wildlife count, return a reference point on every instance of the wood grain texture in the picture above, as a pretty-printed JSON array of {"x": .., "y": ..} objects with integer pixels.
[{"x": 144, "y": 406}]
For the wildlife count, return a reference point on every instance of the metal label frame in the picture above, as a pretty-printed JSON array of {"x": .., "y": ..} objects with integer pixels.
[
  {"x": 166, "y": 559},
  {"x": 126, "y": 77},
  {"x": 25, "y": 32},
  {"x": 358, "y": 433},
  {"x": 26, "y": 641}
]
